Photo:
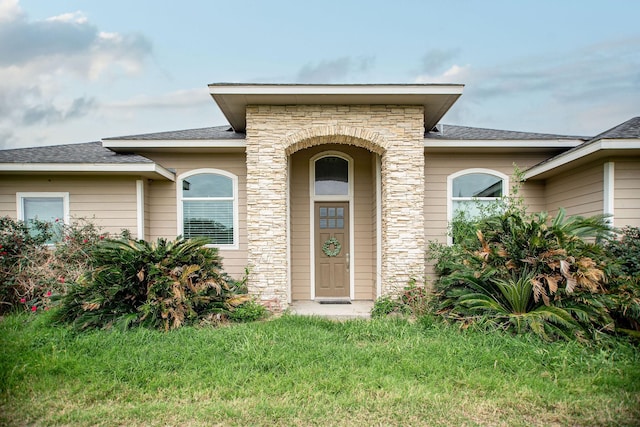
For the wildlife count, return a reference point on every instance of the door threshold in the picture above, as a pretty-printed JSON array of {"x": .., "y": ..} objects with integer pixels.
[{"x": 333, "y": 301}]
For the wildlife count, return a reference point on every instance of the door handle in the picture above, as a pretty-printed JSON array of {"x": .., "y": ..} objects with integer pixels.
[{"x": 347, "y": 256}]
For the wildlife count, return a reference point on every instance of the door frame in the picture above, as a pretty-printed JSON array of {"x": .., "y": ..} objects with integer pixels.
[{"x": 312, "y": 219}]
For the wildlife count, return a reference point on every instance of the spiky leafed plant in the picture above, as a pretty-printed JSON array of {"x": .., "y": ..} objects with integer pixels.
[
  {"x": 162, "y": 285},
  {"x": 526, "y": 272},
  {"x": 510, "y": 304}
]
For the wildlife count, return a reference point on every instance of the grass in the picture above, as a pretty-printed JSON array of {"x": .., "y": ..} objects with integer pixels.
[{"x": 308, "y": 371}]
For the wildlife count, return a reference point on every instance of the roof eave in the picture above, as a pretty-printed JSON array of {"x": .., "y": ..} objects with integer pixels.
[
  {"x": 140, "y": 145},
  {"x": 435, "y": 145},
  {"x": 150, "y": 170},
  {"x": 590, "y": 150},
  {"x": 233, "y": 99}
]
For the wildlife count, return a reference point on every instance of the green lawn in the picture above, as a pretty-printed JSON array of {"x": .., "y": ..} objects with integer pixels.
[{"x": 307, "y": 371}]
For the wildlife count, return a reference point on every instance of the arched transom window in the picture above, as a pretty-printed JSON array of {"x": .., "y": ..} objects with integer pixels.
[
  {"x": 331, "y": 176},
  {"x": 208, "y": 202}
]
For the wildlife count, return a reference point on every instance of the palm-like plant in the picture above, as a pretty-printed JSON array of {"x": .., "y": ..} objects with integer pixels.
[
  {"x": 529, "y": 273},
  {"x": 162, "y": 285}
]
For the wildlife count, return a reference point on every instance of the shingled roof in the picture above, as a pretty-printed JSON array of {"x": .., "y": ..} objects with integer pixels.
[
  {"x": 448, "y": 132},
  {"x": 88, "y": 152},
  {"x": 452, "y": 132},
  {"x": 627, "y": 130},
  {"x": 216, "y": 132}
]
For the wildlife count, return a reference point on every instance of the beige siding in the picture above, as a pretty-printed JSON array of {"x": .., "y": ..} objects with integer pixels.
[
  {"x": 163, "y": 199},
  {"x": 579, "y": 191},
  {"x": 438, "y": 166},
  {"x": 109, "y": 202},
  {"x": 364, "y": 222},
  {"x": 627, "y": 193}
]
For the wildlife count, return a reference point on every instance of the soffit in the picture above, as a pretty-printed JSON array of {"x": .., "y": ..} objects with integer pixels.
[{"x": 234, "y": 98}]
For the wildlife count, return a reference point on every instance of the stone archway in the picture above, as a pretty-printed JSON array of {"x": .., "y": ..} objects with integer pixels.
[{"x": 395, "y": 133}]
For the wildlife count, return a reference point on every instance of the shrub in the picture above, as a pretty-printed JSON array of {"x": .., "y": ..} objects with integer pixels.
[
  {"x": 385, "y": 305},
  {"x": 21, "y": 248},
  {"x": 415, "y": 300},
  {"x": 162, "y": 285},
  {"x": 247, "y": 311},
  {"x": 528, "y": 273},
  {"x": 625, "y": 286},
  {"x": 32, "y": 271}
]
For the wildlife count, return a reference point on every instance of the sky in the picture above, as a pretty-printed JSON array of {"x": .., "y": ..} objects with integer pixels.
[{"x": 76, "y": 71}]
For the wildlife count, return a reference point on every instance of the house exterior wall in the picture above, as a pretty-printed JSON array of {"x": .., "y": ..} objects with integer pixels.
[
  {"x": 108, "y": 202},
  {"x": 579, "y": 191},
  {"x": 275, "y": 132},
  {"x": 364, "y": 250},
  {"x": 163, "y": 199},
  {"x": 627, "y": 189},
  {"x": 438, "y": 166}
]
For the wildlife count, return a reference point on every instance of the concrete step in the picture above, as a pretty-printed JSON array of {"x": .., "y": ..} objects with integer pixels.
[{"x": 355, "y": 310}]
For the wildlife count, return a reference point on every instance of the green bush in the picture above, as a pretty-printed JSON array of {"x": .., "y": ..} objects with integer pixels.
[
  {"x": 528, "y": 273},
  {"x": 163, "y": 285},
  {"x": 415, "y": 301},
  {"x": 625, "y": 285},
  {"x": 248, "y": 311},
  {"x": 385, "y": 305}
]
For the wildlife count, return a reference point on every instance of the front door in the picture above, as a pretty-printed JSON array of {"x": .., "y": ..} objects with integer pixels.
[{"x": 332, "y": 249}]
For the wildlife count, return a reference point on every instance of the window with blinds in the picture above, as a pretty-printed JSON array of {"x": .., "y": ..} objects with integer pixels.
[{"x": 208, "y": 208}]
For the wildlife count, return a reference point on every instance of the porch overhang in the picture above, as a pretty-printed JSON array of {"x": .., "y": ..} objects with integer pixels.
[{"x": 233, "y": 98}]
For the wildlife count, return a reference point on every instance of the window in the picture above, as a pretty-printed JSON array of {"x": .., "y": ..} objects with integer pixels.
[
  {"x": 471, "y": 189},
  {"x": 49, "y": 207},
  {"x": 331, "y": 176},
  {"x": 208, "y": 206}
]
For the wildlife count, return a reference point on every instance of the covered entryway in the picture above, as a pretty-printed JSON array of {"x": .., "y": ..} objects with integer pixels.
[
  {"x": 386, "y": 125},
  {"x": 333, "y": 223}
]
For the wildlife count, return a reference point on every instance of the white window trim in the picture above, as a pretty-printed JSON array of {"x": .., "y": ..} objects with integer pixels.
[
  {"x": 234, "y": 180},
  {"x": 609, "y": 188},
  {"x": 450, "y": 178},
  {"x": 20, "y": 196},
  {"x": 328, "y": 198},
  {"x": 140, "y": 209}
]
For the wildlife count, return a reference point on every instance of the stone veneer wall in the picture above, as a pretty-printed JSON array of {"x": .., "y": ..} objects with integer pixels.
[{"x": 396, "y": 133}]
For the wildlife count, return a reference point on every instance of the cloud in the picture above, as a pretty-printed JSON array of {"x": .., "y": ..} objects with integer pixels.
[
  {"x": 336, "y": 70},
  {"x": 42, "y": 61},
  {"x": 568, "y": 92},
  {"x": 179, "y": 99},
  {"x": 49, "y": 113},
  {"x": 436, "y": 60},
  {"x": 454, "y": 74}
]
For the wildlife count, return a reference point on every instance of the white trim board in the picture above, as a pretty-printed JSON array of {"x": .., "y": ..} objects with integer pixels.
[{"x": 133, "y": 168}]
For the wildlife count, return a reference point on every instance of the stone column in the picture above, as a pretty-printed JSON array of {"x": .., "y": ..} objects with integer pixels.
[
  {"x": 266, "y": 214},
  {"x": 403, "y": 247}
]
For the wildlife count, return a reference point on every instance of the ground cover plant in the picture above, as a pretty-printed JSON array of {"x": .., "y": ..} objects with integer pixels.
[{"x": 309, "y": 371}]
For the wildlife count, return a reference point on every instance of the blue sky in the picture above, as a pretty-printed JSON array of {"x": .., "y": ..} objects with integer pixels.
[{"x": 77, "y": 70}]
